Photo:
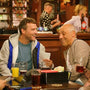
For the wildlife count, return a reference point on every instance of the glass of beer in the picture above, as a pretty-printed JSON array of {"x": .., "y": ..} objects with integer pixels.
[
  {"x": 80, "y": 69},
  {"x": 15, "y": 71},
  {"x": 23, "y": 67},
  {"x": 35, "y": 77}
]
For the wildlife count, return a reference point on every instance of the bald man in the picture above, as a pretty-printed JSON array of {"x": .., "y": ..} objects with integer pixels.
[{"x": 77, "y": 52}]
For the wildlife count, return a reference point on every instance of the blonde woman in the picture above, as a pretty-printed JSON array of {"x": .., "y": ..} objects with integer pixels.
[{"x": 80, "y": 12}]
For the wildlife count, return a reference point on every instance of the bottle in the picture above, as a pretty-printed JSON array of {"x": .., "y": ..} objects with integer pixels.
[
  {"x": 83, "y": 24},
  {"x": 1, "y": 3},
  {"x": 8, "y": 3},
  {"x": 44, "y": 27}
]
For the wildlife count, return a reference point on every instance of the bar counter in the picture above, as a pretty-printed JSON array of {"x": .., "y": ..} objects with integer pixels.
[
  {"x": 52, "y": 44},
  {"x": 64, "y": 86}
]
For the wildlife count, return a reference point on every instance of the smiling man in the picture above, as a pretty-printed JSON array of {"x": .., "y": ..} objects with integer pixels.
[
  {"x": 77, "y": 52},
  {"x": 23, "y": 47}
]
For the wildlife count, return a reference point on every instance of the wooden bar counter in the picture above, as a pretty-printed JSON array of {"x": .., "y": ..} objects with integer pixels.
[
  {"x": 52, "y": 44},
  {"x": 64, "y": 86}
]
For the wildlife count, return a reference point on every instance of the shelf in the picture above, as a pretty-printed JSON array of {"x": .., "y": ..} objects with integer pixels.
[
  {"x": 4, "y": 6},
  {"x": 19, "y": 7},
  {"x": 19, "y": 13},
  {"x": 4, "y": 20},
  {"x": 15, "y": 11},
  {"x": 3, "y": 31},
  {"x": 5, "y": 13}
]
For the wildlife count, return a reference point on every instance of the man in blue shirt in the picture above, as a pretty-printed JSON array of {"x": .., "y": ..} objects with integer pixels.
[{"x": 23, "y": 47}]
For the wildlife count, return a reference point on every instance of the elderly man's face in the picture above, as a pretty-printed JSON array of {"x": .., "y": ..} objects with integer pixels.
[{"x": 65, "y": 36}]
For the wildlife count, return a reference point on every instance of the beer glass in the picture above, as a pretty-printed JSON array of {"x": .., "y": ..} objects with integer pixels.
[
  {"x": 15, "y": 71},
  {"x": 35, "y": 77},
  {"x": 80, "y": 68},
  {"x": 23, "y": 67}
]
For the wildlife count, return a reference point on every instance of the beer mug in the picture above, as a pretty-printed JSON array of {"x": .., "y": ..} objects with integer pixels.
[
  {"x": 80, "y": 67},
  {"x": 35, "y": 77},
  {"x": 23, "y": 67}
]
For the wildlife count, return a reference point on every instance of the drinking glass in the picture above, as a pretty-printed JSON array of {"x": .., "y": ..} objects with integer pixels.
[
  {"x": 23, "y": 67},
  {"x": 80, "y": 67},
  {"x": 15, "y": 71},
  {"x": 35, "y": 77}
]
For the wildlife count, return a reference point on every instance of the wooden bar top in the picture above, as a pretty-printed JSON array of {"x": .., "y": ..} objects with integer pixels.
[
  {"x": 51, "y": 36},
  {"x": 64, "y": 86}
]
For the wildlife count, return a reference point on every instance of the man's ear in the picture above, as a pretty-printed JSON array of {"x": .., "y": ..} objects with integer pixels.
[
  {"x": 73, "y": 33},
  {"x": 23, "y": 31}
]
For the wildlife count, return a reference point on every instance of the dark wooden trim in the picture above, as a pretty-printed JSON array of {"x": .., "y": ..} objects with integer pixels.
[{"x": 84, "y": 36}]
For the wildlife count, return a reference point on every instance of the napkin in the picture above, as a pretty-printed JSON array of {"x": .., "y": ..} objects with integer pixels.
[{"x": 59, "y": 68}]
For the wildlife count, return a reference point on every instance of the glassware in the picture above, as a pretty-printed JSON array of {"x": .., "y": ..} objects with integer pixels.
[
  {"x": 23, "y": 67},
  {"x": 15, "y": 71},
  {"x": 80, "y": 68},
  {"x": 35, "y": 77}
]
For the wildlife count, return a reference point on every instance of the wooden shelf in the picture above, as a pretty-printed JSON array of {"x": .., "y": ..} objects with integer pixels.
[{"x": 11, "y": 7}]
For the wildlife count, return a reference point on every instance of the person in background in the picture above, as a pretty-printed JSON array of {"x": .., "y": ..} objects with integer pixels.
[
  {"x": 45, "y": 18},
  {"x": 80, "y": 21},
  {"x": 23, "y": 46},
  {"x": 77, "y": 52}
]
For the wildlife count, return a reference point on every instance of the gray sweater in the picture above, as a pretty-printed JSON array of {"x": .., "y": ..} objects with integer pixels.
[{"x": 79, "y": 49}]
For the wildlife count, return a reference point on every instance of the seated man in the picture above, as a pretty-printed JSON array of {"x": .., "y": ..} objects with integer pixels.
[
  {"x": 23, "y": 47},
  {"x": 45, "y": 20},
  {"x": 75, "y": 51}
]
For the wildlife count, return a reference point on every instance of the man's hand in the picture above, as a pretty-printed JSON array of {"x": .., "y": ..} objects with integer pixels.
[
  {"x": 87, "y": 73},
  {"x": 2, "y": 84},
  {"x": 54, "y": 21},
  {"x": 87, "y": 83},
  {"x": 48, "y": 62}
]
